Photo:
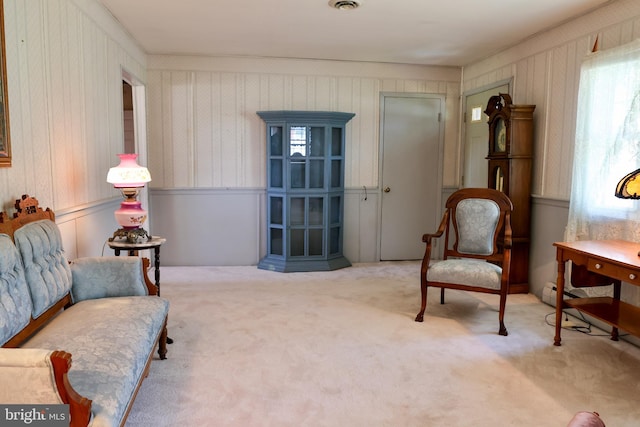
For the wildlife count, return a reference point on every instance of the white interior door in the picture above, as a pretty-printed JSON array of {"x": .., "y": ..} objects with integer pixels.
[
  {"x": 476, "y": 145},
  {"x": 412, "y": 140}
]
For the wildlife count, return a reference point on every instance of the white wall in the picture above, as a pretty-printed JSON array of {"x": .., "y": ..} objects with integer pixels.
[
  {"x": 207, "y": 146},
  {"x": 64, "y": 73}
]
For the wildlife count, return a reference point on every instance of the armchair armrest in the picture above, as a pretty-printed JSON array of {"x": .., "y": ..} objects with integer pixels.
[
  {"x": 100, "y": 277},
  {"x": 39, "y": 376},
  {"x": 428, "y": 239}
]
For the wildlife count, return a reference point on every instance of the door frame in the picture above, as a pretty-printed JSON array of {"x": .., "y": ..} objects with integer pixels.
[
  {"x": 463, "y": 133},
  {"x": 140, "y": 132},
  {"x": 441, "y": 142}
]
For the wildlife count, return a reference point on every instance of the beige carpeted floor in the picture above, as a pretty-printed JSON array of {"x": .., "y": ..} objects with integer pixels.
[{"x": 341, "y": 348}]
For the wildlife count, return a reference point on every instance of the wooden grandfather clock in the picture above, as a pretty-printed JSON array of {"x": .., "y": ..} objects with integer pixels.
[{"x": 510, "y": 169}]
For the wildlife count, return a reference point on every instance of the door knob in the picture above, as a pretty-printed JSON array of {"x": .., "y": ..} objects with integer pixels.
[{"x": 387, "y": 189}]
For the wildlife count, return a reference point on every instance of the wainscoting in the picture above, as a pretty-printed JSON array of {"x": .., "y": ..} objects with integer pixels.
[
  {"x": 226, "y": 227},
  {"x": 549, "y": 220}
]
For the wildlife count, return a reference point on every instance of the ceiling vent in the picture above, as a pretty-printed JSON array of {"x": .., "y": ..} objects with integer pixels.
[{"x": 345, "y": 4}]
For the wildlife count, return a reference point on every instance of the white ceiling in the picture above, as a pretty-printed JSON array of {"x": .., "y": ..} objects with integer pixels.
[{"x": 432, "y": 32}]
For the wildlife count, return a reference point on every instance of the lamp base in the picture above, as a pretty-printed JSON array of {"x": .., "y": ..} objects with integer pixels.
[{"x": 132, "y": 235}]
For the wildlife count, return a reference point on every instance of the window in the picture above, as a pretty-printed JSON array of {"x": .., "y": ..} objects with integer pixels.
[
  {"x": 607, "y": 146},
  {"x": 476, "y": 114}
]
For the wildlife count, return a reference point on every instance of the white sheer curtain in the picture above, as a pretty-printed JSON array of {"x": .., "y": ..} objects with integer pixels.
[{"x": 607, "y": 146}]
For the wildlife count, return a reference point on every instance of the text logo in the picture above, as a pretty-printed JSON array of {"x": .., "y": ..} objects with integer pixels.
[{"x": 34, "y": 415}]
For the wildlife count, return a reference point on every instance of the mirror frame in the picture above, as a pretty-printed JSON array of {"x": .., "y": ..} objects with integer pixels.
[{"x": 5, "y": 139}]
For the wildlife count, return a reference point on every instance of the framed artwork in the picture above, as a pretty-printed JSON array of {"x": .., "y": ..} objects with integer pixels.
[{"x": 5, "y": 140}]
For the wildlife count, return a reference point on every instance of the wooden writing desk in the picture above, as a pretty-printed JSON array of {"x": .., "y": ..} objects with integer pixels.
[{"x": 615, "y": 259}]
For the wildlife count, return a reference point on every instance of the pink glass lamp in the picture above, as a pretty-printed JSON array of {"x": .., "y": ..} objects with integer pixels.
[{"x": 129, "y": 177}]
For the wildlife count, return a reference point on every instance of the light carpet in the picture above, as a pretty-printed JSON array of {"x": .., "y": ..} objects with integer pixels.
[{"x": 341, "y": 348}]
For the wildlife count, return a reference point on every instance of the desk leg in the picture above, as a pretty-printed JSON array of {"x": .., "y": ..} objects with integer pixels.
[
  {"x": 616, "y": 295},
  {"x": 559, "y": 296}
]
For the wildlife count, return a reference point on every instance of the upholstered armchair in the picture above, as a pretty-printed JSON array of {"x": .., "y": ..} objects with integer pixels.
[{"x": 476, "y": 227}]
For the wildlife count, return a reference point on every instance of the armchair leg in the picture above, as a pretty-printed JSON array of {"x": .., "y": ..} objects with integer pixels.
[
  {"x": 503, "y": 303},
  {"x": 423, "y": 290},
  {"x": 503, "y": 330},
  {"x": 441, "y": 295}
]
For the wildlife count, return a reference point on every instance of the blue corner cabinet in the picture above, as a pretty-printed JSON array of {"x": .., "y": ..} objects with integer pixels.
[{"x": 305, "y": 190}]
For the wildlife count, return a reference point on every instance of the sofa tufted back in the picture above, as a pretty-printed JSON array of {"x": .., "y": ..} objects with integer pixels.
[
  {"x": 15, "y": 301},
  {"x": 46, "y": 268}
]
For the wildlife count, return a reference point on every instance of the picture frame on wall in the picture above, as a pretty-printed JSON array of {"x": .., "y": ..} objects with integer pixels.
[{"x": 5, "y": 140}]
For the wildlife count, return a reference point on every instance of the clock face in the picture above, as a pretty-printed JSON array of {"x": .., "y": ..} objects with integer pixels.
[{"x": 500, "y": 136}]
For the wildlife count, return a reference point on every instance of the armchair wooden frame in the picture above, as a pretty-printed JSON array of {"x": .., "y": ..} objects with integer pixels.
[{"x": 499, "y": 253}]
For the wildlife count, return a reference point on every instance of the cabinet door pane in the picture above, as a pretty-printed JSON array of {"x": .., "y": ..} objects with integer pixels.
[
  {"x": 275, "y": 210},
  {"x": 334, "y": 240},
  {"x": 275, "y": 140},
  {"x": 276, "y": 241},
  {"x": 298, "y": 141},
  {"x": 297, "y": 242},
  {"x": 334, "y": 214},
  {"x": 316, "y": 174},
  {"x": 336, "y": 173},
  {"x": 298, "y": 168},
  {"x": 316, "y": 210},
  {"x": 296, "y": 211},
  {"x": 336, "y": 141},
  {"x": 315, "y": 242},
  {"x": 275, "y": 177},
  {"x": 316, "y": 141}
]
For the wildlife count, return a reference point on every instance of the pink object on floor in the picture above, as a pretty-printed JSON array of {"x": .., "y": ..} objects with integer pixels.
[{"x": 586, "y": 419}]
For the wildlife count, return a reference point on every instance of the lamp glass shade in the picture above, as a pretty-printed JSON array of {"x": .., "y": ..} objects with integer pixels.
[
  {"x": 128, "y": 174},
  {"x": 629, "y": 186}
]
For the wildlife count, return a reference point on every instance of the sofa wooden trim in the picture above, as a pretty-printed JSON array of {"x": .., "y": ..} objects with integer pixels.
[
  {"x": 35, "y": 324},
  {"x": 27, "y": 211},
  {"x": 79, "y": 406}
]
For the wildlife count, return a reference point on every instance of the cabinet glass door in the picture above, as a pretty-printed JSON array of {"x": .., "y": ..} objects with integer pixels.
[
  {"x": 276, "y": 222},
  {"x": 335, "y": 225},
  {"x": 307, "y": 226},
  {"x": 336, "y": 157}
]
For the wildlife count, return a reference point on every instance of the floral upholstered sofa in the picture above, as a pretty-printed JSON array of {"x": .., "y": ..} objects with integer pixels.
[{"x": 103, "y": 314}]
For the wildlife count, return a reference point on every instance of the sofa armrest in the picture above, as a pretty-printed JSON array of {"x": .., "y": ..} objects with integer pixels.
[
  {"x": 101, "y": 277},
  {"x": 39, "y": 376}
]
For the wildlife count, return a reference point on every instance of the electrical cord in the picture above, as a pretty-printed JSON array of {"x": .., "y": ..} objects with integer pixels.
[{"x": 584, "y": 329}]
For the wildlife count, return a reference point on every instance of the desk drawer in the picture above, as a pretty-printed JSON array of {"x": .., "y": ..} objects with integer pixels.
[{"x": 614, "y": 271}]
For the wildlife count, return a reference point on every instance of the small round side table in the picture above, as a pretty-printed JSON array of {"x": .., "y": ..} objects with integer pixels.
[{"x": 154, "y": 242}]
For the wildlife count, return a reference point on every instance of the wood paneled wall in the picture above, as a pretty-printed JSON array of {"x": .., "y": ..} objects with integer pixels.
[
  {"x": 204, "y": 131},
  {"x": 64, "y": 72},
  {"x": 207, "y": 145}
]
